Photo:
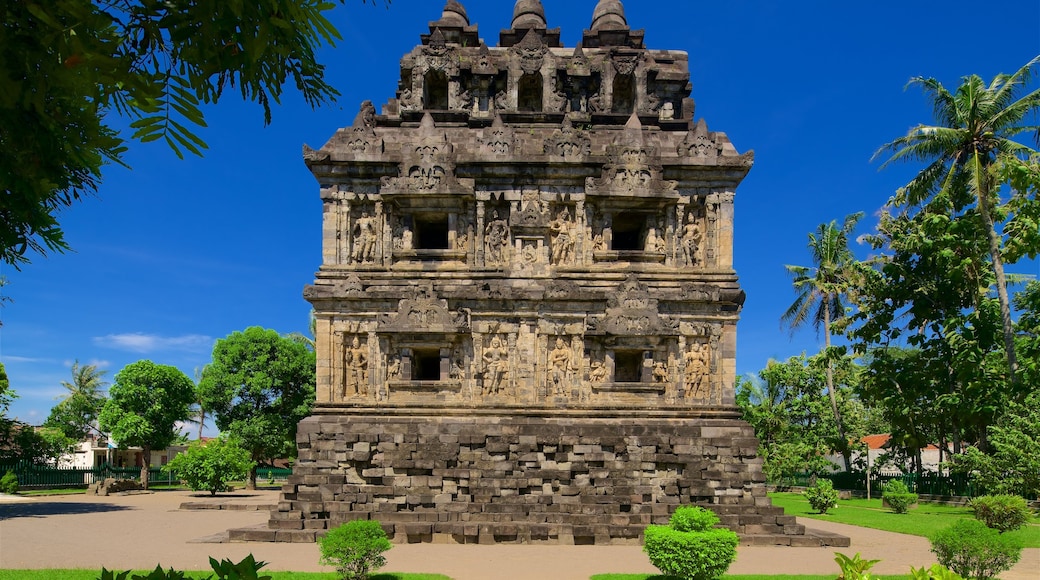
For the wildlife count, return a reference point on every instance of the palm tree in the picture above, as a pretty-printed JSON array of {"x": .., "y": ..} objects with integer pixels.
[
  {"x": 82, "y": 402},
  {"x": 308, "y": 341},
  {"x": 87, "y": 382},
  {"x": 821, "y": 292},
  {"x": 199, "y": 410},
  {"x": 976, "y": 131}
]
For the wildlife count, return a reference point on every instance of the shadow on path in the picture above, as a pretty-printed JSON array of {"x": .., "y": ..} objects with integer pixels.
[{"x": 57, "y": 508}]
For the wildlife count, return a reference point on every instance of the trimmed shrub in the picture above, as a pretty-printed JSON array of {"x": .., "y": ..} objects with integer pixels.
[
  {"x": 211, "y": 465},
  {"x": 690, "y": 548},
  {"x": 973, "y": 550},
  {"x": 898, "y": 497},
  {"x": 1003, "y": 513},
  {"x": 9, "y": 483},
  {"x": 822, "y": 496},
  {"x": 354, "y": 548}
]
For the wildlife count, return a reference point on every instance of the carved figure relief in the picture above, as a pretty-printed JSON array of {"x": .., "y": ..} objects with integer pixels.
[
  {"x": 366, "y": 236},
  {"x": 559, "y": 373},
  {"x": 393, "y": 368},
  {"x": 496, "y": 367},
  {"x": 496, "y": 239},
  {"x": 598, "y": 373},
  {"x": 562, "y": 231},
  {"x": 355, "y": 365},
  {"x": 402, "y": 234},
  {"x": 660, "y": 372},
  {"x": 690, "y": 242},
  {"x": 655, "y": 241},
  {"x": 697, "y": 383},
  {"x": 463, "y": 232}
]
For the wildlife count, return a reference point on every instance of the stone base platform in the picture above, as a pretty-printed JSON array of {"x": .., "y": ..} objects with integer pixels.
[{"x": 465, "y": 478}]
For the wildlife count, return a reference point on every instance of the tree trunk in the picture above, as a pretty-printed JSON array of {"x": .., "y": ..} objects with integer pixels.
[
  {"x": 146, "y": 458},
  {"x": 251, "y": 482},
  {"x": 845, "y": 454},
  {"x": 998, "y": 272}
]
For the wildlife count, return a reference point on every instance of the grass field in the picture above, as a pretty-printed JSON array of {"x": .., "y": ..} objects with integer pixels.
[
  {"x": 924, "y": 520},
  {"x": 738, "y": 577}
]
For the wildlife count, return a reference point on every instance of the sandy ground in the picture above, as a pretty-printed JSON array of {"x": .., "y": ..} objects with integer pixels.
[{"x": 140, "y": 531}]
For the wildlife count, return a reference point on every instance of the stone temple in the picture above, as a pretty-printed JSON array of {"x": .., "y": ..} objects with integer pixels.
[{"x": 526, "y": 308}]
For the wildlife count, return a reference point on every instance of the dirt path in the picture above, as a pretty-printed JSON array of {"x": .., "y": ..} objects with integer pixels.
[{"x": 140, "y": 531}]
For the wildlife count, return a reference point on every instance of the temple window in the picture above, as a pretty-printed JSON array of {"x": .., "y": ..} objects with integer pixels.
[
  {"x": 628, "y": 366},
  {"x": 435, "y": 90},
  {"x": 628, "y": 232},
  {"x": 624, "y": 94},
  {"x": 431, "y": 232},
  {"x": 426, "y": 364},
  {"x": 529, "y": 93}
]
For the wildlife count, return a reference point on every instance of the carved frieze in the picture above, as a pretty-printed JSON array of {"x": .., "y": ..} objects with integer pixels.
[
  {"x": 531, "y": 52},
  {"x": 632, "y": 168},
  {"x": 428, "y": 165},
  {"x": 498, "y": 140},
  {"x": 569, "y": 143},
  {"x": 632, "y": 311},
  {"x": 425, "y": 313}
]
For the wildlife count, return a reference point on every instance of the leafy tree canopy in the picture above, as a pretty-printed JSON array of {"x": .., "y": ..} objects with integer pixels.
[
  {"x": 144, "y": 406},
  {"x": 66, "y": 65},
  {"x": 259, "y": 386}
]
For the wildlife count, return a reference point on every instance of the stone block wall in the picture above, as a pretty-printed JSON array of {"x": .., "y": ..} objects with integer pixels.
[{"x": 483, "y": 479}]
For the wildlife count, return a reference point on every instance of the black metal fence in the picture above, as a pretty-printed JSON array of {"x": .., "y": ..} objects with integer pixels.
[{"x": 32, "y": 475}]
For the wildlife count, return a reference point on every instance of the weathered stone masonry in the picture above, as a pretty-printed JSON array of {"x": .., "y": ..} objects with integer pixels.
[{"x": 526, "y": 309}]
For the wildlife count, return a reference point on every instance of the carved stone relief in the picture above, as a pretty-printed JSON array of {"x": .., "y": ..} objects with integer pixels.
[
  {"x": 355, "y": 367},
  {"x": 568, "y": 142},
  {"x": 497, "y": 237}
]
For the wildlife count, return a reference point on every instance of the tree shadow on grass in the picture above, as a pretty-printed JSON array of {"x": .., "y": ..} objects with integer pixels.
[{"x": 43, "y": 509}]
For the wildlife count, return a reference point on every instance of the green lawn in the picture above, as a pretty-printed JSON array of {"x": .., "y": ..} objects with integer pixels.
[
  {"x": 738, "y": 577},
  {"x": 94, "y": 574},
  {"x": 923, "y": 520}
]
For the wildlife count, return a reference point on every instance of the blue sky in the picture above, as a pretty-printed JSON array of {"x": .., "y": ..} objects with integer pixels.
[{"x": 174, "y": 254}]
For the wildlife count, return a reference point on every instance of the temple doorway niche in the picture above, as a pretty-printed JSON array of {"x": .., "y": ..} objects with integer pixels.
[
  {"x": 426, "y": 364},
  {"x": 529, "y": 93},
  {"x": 431, "y": 232},
  {"x": 629, "y": 232},
  {"x": 628, "y": 366},
  {"x": 435, "y": 90},
  {"x": 624, "y": 95}
]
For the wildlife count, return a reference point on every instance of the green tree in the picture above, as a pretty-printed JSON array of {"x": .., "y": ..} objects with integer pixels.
[
  {"x": 259, "y": 386},
  {"x": 930, "y": 329},
  {"x": 976, "y": 130},
  {"x": 1013, "y": 466},
  {"x": 68, "y": 67},
  {"x": 211, "y": 465},
  {"x": 144, "y": 406},
  {"x": 76, "y": 414},
  {"x": 822, "y": 290}
]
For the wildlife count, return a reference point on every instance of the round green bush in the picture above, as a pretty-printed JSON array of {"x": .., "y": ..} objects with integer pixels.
[
  {"x": 693, "y": 519},
  {"x": 822, "y": 496},
  {"x": 898, "y": 497},
  {"x": 973, "y": 550},
  {"x": 9, "y": 483},
  {"x": 354, "y": 548},
  {"x": 690, "y": 548},
  {"x": 1003, "y": 513}
]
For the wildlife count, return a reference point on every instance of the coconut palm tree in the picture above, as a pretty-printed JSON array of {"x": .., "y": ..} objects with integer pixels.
[
  {"x": 821, "y": 293},
  {"x": 87, "y": 382},
  {"x": 976, "y": 130}
]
